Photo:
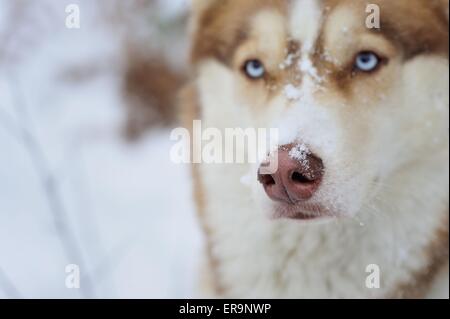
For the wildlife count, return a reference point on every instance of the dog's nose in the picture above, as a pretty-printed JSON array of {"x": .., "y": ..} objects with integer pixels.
[{"x": 297, "y": 178}]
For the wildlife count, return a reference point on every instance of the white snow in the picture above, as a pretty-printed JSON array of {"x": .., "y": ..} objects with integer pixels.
[
  {"x": 292, "y": 93},
  {"x": 308, "y": 68},
  {"x": 128, "y": 207},
  {"x": 300, "y": 153},
  {"x": 247, "y": 179},
  {"x": 288, "y": 61}
]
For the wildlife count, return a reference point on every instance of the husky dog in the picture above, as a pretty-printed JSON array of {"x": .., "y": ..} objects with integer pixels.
[{"x": 358, "y": 207}]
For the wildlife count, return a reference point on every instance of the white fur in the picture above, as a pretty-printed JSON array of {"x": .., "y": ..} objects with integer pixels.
[{"x": 305, "y": 22}]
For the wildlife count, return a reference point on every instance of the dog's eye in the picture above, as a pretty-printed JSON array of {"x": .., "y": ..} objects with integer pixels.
[
  {"x": 254, "y": 69},
  {"x": 367, "y": 61}
]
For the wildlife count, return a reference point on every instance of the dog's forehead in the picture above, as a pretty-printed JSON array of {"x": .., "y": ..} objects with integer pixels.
[
  {"x": 305, "y": 21},
  {"x": 414, "y": 25},
  {"x": 224, "y": 25},
  {"x": 418, "y": 26},
  {"x": 301, "y": 20}
]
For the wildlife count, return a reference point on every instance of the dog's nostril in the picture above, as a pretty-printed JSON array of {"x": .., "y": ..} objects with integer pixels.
[
  {"x": 266, "y": 180},
  {"x": 300, "y": 178}
]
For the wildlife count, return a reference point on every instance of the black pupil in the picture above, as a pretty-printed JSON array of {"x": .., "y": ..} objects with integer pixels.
[
  {"x": 255, "y": 64},
  {"x": 366, "y": 57}
]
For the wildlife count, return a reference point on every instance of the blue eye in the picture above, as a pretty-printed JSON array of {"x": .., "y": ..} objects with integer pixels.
[
  {"x": 367, "y": 61},
  {"x": 254, "y": 69}
]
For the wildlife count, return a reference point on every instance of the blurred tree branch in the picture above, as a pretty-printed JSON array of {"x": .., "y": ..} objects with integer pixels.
[
  {"x": 8, "y": 287},
  {"x": 51, "y": 188}
]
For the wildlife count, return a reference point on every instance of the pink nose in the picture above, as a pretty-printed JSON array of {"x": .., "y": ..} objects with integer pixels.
[{"x": 297, "y": 177}]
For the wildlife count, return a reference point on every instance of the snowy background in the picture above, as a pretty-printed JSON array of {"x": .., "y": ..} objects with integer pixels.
[{"x": 73, "y": 190}]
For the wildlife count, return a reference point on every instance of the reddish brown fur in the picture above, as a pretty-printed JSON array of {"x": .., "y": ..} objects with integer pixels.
[
  {"x": 189, "y": 112},
  {"x": 223, "y": 25},
  {"x": 438, "y": 254}
]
